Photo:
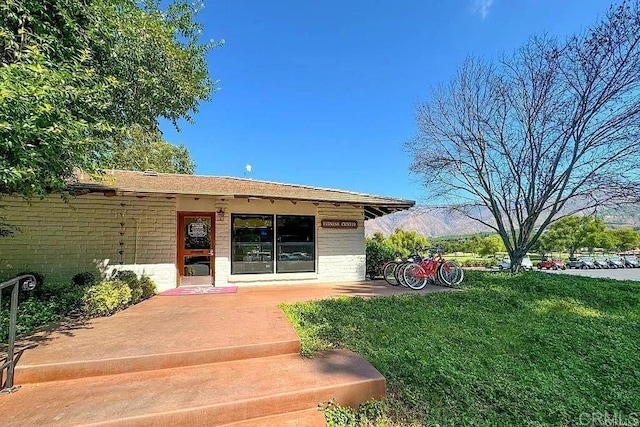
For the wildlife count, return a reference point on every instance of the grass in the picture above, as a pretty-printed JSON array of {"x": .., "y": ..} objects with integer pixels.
[{"x": 527, "y": 349}]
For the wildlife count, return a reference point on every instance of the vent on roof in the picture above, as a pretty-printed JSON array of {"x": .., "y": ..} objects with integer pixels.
[{"x": 150, "y": 173}]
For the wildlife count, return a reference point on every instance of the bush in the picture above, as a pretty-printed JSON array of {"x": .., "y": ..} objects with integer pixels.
[
  {"x": 55, "y": 301},
  {"x": 131, "y": 279},
  {"x": 127, "y": 276},
  {"x": 37, "y": 292},
  {"x": 148, "y": 286},
  {"x": 84, "y": 279},
  {"x": 377, "y": 254},
  {"x": 106, "y": 298}
]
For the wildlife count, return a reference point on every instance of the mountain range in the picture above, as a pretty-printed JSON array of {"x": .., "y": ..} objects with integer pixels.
[{"x": 441, "y": 221}]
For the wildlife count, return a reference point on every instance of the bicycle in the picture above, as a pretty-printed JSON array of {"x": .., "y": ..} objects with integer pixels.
[
  {"x": 388, "y": 270},
  {"x": 399, "y": 271},
  {"x": 433, "y": 269}
]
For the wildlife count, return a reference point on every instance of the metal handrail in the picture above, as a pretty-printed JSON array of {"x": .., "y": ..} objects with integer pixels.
[{"x": 28, "y": 283}]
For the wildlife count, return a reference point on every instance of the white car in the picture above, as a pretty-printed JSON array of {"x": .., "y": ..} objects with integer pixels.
[{"x": 526, "y": 264}]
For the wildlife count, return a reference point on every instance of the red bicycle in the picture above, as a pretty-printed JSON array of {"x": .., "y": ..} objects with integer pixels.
[{"x": 434, "y": 269}]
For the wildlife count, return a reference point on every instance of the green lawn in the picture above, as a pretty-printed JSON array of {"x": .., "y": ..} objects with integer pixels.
[{"x": 528, "y": 349}]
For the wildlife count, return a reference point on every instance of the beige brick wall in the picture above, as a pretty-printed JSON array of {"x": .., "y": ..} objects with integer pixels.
[
  {"x": 61, "y": 239},
  {"x": 341, "y": 251}
]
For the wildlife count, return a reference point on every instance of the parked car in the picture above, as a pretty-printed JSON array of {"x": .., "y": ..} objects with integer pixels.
[
  {"x": 526, "y": 264},
  {"x": 600, "y": 262},
  {"x": 583, "y": 263},
  {"x": 551, "y": 264},
  {"x": 631, "y": 261},
  {"x": 616, "y": 262}
]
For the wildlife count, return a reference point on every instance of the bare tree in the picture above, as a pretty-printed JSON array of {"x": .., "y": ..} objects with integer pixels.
[{"x": 541, "y": 134}]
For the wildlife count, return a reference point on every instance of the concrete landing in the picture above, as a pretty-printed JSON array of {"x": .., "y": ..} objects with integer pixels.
[{"x": 191, "y": 360}]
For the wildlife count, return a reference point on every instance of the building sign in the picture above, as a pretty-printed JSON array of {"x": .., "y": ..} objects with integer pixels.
[
  {"x": 197, "y": 229},
  {"x": 338, "y": 223}
]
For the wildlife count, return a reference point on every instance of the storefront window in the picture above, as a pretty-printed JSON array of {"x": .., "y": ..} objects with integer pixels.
[
  {"x": 253, "y": 238},
  {"x": 295, "y": 243},
  {"x": 252, "y": 244}
]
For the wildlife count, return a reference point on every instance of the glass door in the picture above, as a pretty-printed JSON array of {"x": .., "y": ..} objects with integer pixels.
[{"x": 196, "y": 244}]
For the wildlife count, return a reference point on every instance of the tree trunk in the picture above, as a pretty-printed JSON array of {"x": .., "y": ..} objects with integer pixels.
[{"x": 516, "y": 257}]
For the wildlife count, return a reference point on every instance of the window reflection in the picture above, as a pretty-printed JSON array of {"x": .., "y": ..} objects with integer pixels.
[
  {"x": 252, "y": 244},
  {"x": 296, "y": 244}
]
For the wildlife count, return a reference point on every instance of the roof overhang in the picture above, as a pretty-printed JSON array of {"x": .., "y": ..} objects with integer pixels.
[{"x": 371, "y": 210}]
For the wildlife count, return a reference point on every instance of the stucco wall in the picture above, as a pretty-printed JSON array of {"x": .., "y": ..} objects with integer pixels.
[{"x": 61, "y": 239}]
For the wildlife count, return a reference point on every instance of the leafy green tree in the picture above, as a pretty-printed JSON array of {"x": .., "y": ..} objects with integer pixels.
[
  {"x": 573, "y": 232},
  {"x": 405, "y": 242},
  {"x": 75, "y": 75},
  {"x": 489, "y": 245},
  {"x": 473, "y": 244},
  {"x": 378, "y": 237},
  {"x": 603, "y": 239},
  {"x": 142, "y": 150},
  {"x": 625, "y": 239}
]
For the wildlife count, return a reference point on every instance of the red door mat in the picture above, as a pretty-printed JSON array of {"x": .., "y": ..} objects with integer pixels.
[{"x": 200, "y": 290}]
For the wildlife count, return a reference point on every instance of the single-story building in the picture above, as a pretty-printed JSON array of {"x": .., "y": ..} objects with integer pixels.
[{"x": 193, "y": 230}]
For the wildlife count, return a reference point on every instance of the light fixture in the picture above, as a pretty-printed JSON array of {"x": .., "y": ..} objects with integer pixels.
[{"x": 220, "y": 215}]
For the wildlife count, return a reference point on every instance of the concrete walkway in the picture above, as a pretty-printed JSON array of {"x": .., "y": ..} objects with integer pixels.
[{"x": 144, "y": 365}]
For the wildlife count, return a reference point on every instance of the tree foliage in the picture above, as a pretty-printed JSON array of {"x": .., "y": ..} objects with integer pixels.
[
  {"x": 626, "y": 239},
  {"x": 141, "y": 150},
  {"x": 489, "y": 245},
  {"x": 543, "y": 133},
  {"x": 572, "y": 233},
  {"x": 405, "y": 242},
  {"x": 75, "y": 76},
  {"x": 575, "y": 232}
]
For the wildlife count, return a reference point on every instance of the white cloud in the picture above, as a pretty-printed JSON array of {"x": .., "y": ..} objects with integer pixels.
[{"x": 482, "y": 7}]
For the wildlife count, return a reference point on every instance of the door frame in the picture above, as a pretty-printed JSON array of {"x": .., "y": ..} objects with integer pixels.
[{"x": 181, "y": 252}]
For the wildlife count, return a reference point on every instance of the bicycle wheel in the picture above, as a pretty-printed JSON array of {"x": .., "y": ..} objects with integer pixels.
[
  {"x": 415, "y": 276},
  {"x": 399, "y": 273},
  {"x": 450, "y": 273},
  {"x": 388, "y": 273},
  {"x": 457, "y": 272}
]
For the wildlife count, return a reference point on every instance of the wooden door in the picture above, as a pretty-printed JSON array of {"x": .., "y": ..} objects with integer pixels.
[{"x": 196, "y": 244}]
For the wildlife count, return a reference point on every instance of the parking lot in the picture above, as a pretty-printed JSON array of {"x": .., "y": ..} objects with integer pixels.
[{"x": 612, "y": 273}]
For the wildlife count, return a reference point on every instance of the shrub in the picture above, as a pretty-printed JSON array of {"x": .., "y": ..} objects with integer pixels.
[
  {"x": 84, "y": 279},
  {"x": 131, "y": 279},
  {"x": 148, "y": 286},
  {"x": 56, "y": 300},
  {"x": 127, "y": 276},
  {"x": 136, "y": 293},
  {"x": 37, "y": 292},
  {"x": 377, "y": 254},
  {"x": 106, "y": 298}
]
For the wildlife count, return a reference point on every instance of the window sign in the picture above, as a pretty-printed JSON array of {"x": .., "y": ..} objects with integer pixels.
[
  {"x": 198, "y": 229},
  {"x": 197, "y": 233}
]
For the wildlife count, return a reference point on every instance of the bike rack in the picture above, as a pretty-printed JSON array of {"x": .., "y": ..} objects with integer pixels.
[{"x": 27, "y": 282}]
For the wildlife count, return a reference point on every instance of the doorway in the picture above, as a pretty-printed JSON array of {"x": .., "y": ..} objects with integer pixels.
[{"x": 196, "y": 248}]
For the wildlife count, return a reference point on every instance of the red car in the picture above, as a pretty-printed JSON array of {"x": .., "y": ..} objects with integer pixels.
[{"x": 551, "y": 264}]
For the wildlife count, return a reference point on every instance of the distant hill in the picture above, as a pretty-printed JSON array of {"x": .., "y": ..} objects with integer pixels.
[{"x": 436, "y": 222}]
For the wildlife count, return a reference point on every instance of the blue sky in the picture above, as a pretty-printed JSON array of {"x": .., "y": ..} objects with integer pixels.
[{"x": 324, "y": 93}]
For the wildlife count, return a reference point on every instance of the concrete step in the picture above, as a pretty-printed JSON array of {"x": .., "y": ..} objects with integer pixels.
[
  {"x": 308, "y": 418},
  {"x": 199, "y": 395},
  {"x": 159, "y": 333},
  {"x": 73, "y": 369}
]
